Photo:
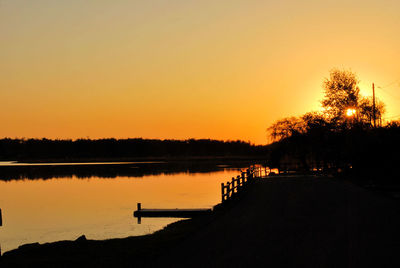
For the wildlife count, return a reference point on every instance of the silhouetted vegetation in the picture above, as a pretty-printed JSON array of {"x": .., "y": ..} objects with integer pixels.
[
  {"x": 342, "y": 138},
  {"x": 122, "y": 149}
]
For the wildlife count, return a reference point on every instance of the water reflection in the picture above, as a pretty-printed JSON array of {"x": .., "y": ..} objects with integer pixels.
[
  {"x": 58, "y": 204},
  {"x": 109, "y": 170}
]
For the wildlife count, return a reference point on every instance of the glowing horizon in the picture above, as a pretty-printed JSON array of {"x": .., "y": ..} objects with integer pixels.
[{"x": 185, "y": 69}]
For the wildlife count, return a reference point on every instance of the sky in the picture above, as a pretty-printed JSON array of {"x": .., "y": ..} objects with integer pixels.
[{"x": 185, "y": 69}]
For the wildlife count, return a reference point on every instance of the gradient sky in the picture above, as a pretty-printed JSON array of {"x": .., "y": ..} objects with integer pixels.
[{"x": 185, "y": 69}]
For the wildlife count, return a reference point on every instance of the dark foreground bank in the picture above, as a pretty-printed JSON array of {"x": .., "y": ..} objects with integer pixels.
[{"x": 279, "y": 222}]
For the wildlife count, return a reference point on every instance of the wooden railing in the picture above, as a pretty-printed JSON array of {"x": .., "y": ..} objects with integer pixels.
[
  {"x": 229, "y": 190},
  {"x": 236, "y": 185},
  {"x": 260, "y": 172}
]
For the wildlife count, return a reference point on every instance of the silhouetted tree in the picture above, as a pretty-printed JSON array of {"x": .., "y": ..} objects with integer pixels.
[
  {"x": 335, "y": 140},
  {"x": 285, "y": 128},
  {"x": 315, "y": 121},
  {"x": 393, "y": 124},
  {"x": 366, "y": 111},
  {"x": 341, "y": 93}
]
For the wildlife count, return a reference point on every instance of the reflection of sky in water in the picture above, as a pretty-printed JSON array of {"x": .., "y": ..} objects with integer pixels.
[{"x": 63, "y": 209}]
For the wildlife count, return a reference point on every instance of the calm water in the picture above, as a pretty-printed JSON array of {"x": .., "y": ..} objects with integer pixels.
[{"x": 64, "y": 208}]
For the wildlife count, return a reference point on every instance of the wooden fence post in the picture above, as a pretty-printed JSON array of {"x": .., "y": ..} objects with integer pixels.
[
  {"x": 228, "y": 190},
  {"x": 239, "y": 182},
  {"x": 223, "y": 191}
]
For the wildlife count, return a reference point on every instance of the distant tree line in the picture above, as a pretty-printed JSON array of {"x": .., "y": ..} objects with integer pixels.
[
  {"x": 342, "y": 137},
  {"x": 48, "y": 149}
]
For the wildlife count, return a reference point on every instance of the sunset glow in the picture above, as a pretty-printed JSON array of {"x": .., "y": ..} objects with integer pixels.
[
  {"x": 185, "y": 69},
  {"x": 350, "y": 112}
]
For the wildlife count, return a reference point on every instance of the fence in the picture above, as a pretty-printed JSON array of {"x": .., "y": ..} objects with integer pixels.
[
  {"x": 236, "y": 185},
  {"x": 228, "y": 191}
]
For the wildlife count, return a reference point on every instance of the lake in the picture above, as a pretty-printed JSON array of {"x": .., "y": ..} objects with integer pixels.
[{"x": 77, "y": 199}]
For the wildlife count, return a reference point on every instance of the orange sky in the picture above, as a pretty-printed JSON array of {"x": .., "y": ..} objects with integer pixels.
[{"x": 185, "y": 69}]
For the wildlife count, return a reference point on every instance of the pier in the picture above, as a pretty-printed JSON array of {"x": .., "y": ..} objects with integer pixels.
[
  {"x": 228, "y": 191},
  {"x": 169, "y": 213}
]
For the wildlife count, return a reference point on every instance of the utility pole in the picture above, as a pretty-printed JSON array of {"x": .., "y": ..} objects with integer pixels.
[{"x": 373, "y": 104}]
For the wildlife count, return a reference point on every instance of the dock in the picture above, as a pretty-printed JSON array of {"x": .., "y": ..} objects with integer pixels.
[
  {"x": 172, "y": 213},
  {"x": 228, "y": 192},
  {"x": 169, "y": 213}
]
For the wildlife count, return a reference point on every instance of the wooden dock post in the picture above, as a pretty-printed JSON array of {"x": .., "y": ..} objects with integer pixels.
[
  {"x": 139, "y": 208},
  {"x": 233, "y": 185}
]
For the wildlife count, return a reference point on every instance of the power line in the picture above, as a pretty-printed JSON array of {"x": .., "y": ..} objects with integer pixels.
[
  {"x": 390, "y": 84},
  {"x": 392, "y": 117},
  {"x": 390, "y": 94}
]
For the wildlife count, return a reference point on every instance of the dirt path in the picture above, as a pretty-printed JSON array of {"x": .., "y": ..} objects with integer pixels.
[
  {"x": 299, "y": 222},
  {"x": 279, "y": 222}
]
